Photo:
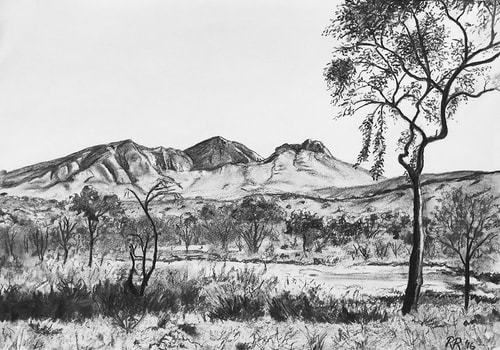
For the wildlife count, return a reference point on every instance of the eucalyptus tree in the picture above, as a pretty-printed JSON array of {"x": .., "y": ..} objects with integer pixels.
[{"x": 415, "y": 62}]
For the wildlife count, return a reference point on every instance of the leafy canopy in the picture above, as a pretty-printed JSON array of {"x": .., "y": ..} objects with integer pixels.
[
  {"x": 413, "y": 61},
  {"x": 93, "y": 205}
]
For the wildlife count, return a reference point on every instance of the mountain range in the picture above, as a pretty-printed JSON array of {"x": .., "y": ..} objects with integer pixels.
[
  {"x": 219, "y": 169},
  {"x": 215, "y": 168}
]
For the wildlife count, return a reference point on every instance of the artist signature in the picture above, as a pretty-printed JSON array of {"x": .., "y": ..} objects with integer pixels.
[{"x": 457, "y": 343}]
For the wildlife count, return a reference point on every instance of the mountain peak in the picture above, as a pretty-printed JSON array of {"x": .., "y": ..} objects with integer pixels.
[
  {"x": 315, "y": 146},
  {"x": 308, "y": 145},
  {"x": 218, "y": 151},
  {"x": 217, "y": 139}
]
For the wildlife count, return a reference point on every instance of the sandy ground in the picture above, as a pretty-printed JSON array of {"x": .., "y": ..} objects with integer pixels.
[{"x": 338, "y": 280}]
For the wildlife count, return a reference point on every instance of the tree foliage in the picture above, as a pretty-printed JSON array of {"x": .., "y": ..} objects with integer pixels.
[
  {"x": 257, "y": 217},
  {"x": 94, "y": 207},
  {"x": 305, "y": 224},
  {"x": 413, "y": 61}
]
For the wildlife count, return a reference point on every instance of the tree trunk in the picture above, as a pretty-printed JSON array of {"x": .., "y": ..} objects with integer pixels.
[
  {"x": 415, "y": 278},
  {"x": 66, "y": 251},
  {"x": 304, "y": 243},
  {"x": 91, "y": 249},
  {"x": 467, "y": 284}
]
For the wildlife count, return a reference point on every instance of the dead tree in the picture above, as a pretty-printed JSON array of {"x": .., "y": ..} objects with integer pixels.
[
  {"x": 64, "y": 236},
  {"x": 39, "y": 239},
  {"x": 149, "y": 235}
]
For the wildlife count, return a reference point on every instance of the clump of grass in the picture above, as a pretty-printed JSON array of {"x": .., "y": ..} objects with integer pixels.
[
  {"x": 184, "y": 289},
  {"x": 44, "y": 329},
  {"x": 238, "y": 294},
  {"x": 188, "y": 328},
  {"x": 126, "y": 310},
  {"x": 235, "y": 307},
  {"x": 315, "y": 339}
]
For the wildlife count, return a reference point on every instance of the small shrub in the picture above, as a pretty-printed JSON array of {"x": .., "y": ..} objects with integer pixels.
[
  {"x": 67, "y": 302},
  {"x": 243, "y": 346},
  {"x": 124, "y": 309},
  {"x": 188, "y": 328},
  {"x": 236, "y": 308},
  {"x": 285, "y": 306},
  {"x": 316, "y": 339},
  {"x": 44, "y": 328},
  {"x": 185, "y": 290},
  {"x": 238, "y": 294}
]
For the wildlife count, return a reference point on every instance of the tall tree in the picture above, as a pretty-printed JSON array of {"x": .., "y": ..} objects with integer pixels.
[
  {"x": 414, "y": 62},
  {"x": 466, "y": 225},
  {"x": 94, "y": 207}
]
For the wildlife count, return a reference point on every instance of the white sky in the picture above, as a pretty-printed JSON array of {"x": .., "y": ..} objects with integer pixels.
[{"x": 75, "y": 73}]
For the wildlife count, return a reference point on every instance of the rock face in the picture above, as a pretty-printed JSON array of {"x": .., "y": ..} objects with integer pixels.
[
  {"x": 217, "y": 151},
  {"x": 215, "y": 168}
]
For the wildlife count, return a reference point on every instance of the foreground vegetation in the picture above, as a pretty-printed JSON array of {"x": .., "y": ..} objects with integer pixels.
[
  {"x": 51, "y": 305},
  {"x": 84, "y": 274}
]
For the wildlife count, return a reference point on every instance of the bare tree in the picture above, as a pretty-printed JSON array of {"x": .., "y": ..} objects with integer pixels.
[
  {"x": 188, "y": 229},
  {"x": 9, "y": 234},
  {"x": 64, "y": 235},
  {"x": 219, "y": 224},
  {"x": 164, "y": 187},
  {"x": 466, "y": 225},
  {"x": 414, "y": 62},
  {"x": 39, "y": 238},
  {"x": 9, "y": 229}
]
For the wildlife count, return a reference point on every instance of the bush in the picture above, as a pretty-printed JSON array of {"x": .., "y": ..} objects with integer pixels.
[
  {"x": 308, "y": 306},
  {"x": 71, "y": 301},
  {"x": 185, "y": 290},
  {"x": 236, "y": 308},
  {"x": 238, "y": 294},
  {"x": 126, "y": 309}
]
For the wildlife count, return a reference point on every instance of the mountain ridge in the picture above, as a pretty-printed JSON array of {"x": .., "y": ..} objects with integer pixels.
[{"x": 215, "y": 167}]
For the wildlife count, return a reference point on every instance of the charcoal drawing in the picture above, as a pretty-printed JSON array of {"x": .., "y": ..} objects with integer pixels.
[{"x": 215, "y": 174}]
